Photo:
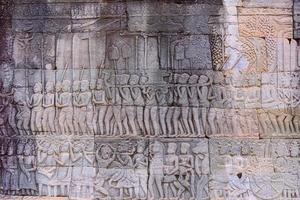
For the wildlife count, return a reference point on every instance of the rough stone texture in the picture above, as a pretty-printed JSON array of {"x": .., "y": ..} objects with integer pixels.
[{"x": 136, "y": 99}]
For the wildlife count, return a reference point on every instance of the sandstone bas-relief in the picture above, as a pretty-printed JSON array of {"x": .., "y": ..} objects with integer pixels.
[{"x": 149, "y": 100}]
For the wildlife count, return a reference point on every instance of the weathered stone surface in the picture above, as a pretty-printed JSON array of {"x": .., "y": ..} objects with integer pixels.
[
  {"x": 176, "y": 99},
  {"x": 254, "y": 169}
]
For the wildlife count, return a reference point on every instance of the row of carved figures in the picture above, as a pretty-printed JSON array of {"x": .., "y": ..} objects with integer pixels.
[
  {"x": 142, "y": 109},
  {"x": 175, "y": 170},
  {"x": 107, "y": 109}
]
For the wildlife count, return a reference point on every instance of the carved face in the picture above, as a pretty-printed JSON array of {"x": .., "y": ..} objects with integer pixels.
[
  {"x": 49, "y": 86},
  {"x": 66, "y": 86},
  {"x": 10, "y": 149},
  {"x": 172, "y": 148},
  {"x": 140, "y": 147},
  {"x": 27, "y": 149},
  {"x": 37, "y": 88},
  {"x": 58, "y": 87},
  {"x": 184, "y": 148},
  {"x": 143, "y": 80},
  {"x": 18, "y": 97},
  {"x": 133, "y": 79},
  {"x": 84, "y": 86},
  {"x": 183, "y": 78},
  {"x": 99, "y": 83},
  {"x": 76, "y": 85},
  {"x": 20, "y": 148},
  {"x": 193, "y": 79},
  {"x": 106, "y": 152},
  {"x": 203, "y": 79}
]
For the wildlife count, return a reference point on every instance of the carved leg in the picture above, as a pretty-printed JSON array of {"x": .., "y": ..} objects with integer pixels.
[
  {"x": 32, "y": 122},
  {"x": 147, "y": 120},
  {"x": 117, "y": 116},
  {"x": 169, "y": 117},
  {"x": 176, "y": 115},
  {"x": 131, "y": 118},
  {"x": 45, "y": 120},
  {"x": 107, "y": 120},
  {"x": 196, "y": 121},
  {"x": 101, "y": 118},
  {"x": 184, "y": 117},
  {"x": 162, "y": 119},
  {"x": 89, "y": 122},
  {"x": 139, "y": 117},
  {"x": 154, "y": 120}
]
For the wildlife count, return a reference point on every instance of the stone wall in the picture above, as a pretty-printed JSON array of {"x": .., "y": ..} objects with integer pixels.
[{"x": 158, "y": 100}]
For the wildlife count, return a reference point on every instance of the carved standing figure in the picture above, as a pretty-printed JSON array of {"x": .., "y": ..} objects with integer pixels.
[
  {"x": 64, "y": 101},
  {"x": 186, "y": 170},
  {"x": 76, "y": 109},
  {"x": 156, "y": 171},
  {"x": 35, "y": 103},
  {"x": 171, "y": 171},
  {"x": 23, "y": 114},
  {"x": 27, "y": 163},
  {"x": 183, "y": 103},
  {"x": 49, "y": 109},
  {"x": 151, "y": 112},
  {"x": 140, "y": 161},
  {"x": 99, "y": 99},
  {"x": 205, "y": 96},
  {"x": 84, "y": 102},
  {"x": 196, "y": 127}
]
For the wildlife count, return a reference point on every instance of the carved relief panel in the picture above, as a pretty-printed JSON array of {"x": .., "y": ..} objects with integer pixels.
[{"x": 258, "y": 169}]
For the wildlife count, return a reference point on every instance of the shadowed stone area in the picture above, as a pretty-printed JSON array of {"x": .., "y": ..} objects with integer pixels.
[{"x": 149, "y": 100}]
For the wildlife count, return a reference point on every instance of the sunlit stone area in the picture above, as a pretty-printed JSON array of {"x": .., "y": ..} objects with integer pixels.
[{"x": 149, "y": 100}]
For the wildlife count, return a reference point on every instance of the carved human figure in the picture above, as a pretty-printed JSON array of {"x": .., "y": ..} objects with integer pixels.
[
  {"x": 126, "y": 54},
  {"x": 161, "y": 99},
  {"x": 64, "y": 101},
  {"x": 109, "y": 99},
  {"x": 88, "y": 171},
  {"x": 105, "y": 155},
  {"x": 46, "y": 169},
  {"x": 218, "y": 101},
  {"x": 84, "y": 102},
  {"x": 76, "y": 109},
  {"x": 99, "y": 99},
  {"x": 151, "y": 112},
  {"x": 63, "y": 164},
  {"x": 58, "y": 90},
  {"x": 27, "y": 163},
  {"x": 201, "y": 186},
  {"x": 186, "y": 170},
  {"x": 49, "y": 109},
  {"x": 179, "y": 54},
  {"x": 183, "y": 103},
  {"x": 172, "y": 187},
  {"x": 124, "y": 178},
  {"x": 114, "y": 55},
  {"x": 205, "y": 96},
  {"x": 23, "y": 114},
  {"x": 170, "y": 98},
  {"x": 35, "y": 102},
  {"x": 137, "y": 93},
  {"x": 10, "y": 170},
  {"x": 140, "y": 163},
  {"x": 127, "y": 109},
  {"x": 156, "y": 171},
  {"x": 196, "y": 127},
  {"x": 116, "y": 108},
  {"x": 7, "y": 114}
]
